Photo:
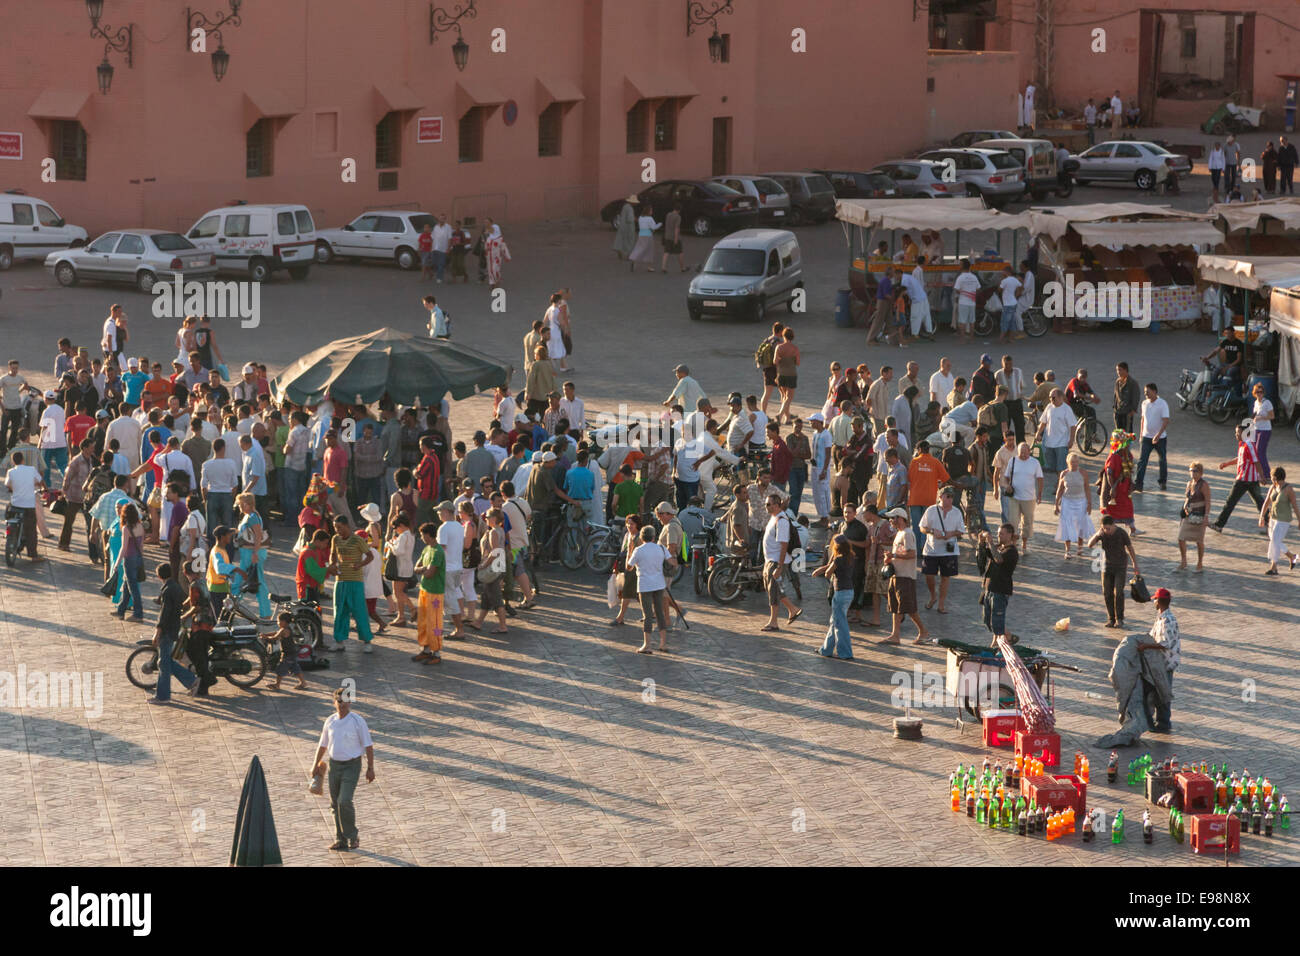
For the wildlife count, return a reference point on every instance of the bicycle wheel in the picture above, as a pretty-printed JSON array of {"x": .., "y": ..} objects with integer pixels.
[
  {"x": 983, "y": 323},
  {"x": 1220, "y": 410},
  {"x": 1036, "y": 323},
  {"x": 571, "y": 549},
  {"x": 725, "y": 584},
  {"x": 256, "y": 657},
  {"x": 1091, "y": 438},
  {"x": 142, "y": 667},
  {"x": 599, "y": 554}
]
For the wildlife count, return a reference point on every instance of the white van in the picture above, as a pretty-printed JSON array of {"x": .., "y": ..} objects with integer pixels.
[
  {"x": 255, "y": 241},
  {"x": 745, "y": 273},
  {"x": 31, "y": 229}
]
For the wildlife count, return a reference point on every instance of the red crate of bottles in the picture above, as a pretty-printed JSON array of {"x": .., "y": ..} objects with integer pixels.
[
  {"x": 1000, "y": 727},
  {"x": 1215, "y": 832},
  {"x": 1198, "y": 792},
  {"x": 1057, "y": 790},
  {"x": 1035, "y": 745}
]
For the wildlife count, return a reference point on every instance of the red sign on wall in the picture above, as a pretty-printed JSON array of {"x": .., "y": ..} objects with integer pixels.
[
  {"x": 11, "y": 145},
  {"x": 428, "y": 129}
]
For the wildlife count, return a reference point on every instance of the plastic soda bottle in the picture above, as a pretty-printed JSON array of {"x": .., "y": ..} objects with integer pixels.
[
  {"x": 970, "y": 800},
  {"x": 980, "y": 810},
  {"x": 1221, "y": 792},
  {"x": 1085, "y": 769},
  {"x": 1236, "y": 787},
  {"x": 1112, "y": 767},
  {"x": 1268, "y": 823},
  {"x": 1117, "y": 829},
  {"x": 1022, "y": 824},
  {"x": 1284, "y": 814},
  {"x": 956, "y": 799},
  {"x": 1268, "y": 788},
  {"x": 986, "y": 765},
  {"x": 1007, "y": 776},
  {"x": 1053, "y": 826},
  {"x": 1078, "y": 755},
  {"x": 1251, "y": 787},
  {"x": 1147, "y": 832},
  {"x": 1087, "y": 827},
  {"x": 1205, "y": 767},
  {"x": 1008, "y": 814}
]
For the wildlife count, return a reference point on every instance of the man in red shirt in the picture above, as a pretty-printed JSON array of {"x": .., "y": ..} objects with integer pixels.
[
  {"x": 157, "y": 389},
  {"x": 924, "y": 475},
  {"x": 782, "y": 458},
  {"x": 78, "y": 425},
  {"x": 428, "y": 476},
  {"x": 1247, "y": 483},
  {"x": 335, "y": 469},
  {"x": 425, "y": 243}
]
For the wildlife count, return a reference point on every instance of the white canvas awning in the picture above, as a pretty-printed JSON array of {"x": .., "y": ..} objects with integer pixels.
[
  {"x": 1284, "y": 318},
  {"x": 1056, "y": 221},
  {"x": 1126, "y": 235},
  {"x": 957, "y": 213},
  {"x": 1250, "y": 272},
  {"x": 1249, "y": 215}
]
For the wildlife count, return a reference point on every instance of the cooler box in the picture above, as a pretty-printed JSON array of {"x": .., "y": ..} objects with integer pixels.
[
  {"x": 1215, "y": 832},
  {"x": 1158, "y": 784},
  {"x": 999, "y": 727},
  {"x": 1197, "y": 791},
  {"x": 1056, "y": 792},
  {"x": 1034, "y": 745}
]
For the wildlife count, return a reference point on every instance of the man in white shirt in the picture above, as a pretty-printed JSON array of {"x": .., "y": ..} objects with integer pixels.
[
  {"x": 451, "y": 535},
  {"x": 23, "y": 482},
  {"x": 507, "y": 407},
  {"x": 1009, "y": 290},
  {"x": 1025, "y": 476},
  {"x": 740, "y": 428},
  {"x": 1090, "y": 114},
  {"x": 231, "y": 436},
  {"x": 942, "y": 525},
  {"x": 819, "y": 469},
  {"x": 344, "y": 738},
  {"x": 1116, "y": 114},
  {"x": 574, "y": 409},
  {"x": 217, "y": 479},
  {"x": 1155, "y": 427},
  {"x": 941, "y": 382},
  {"x": 707, "y": 444},
  {"x": 212, "y": 424},
  {"x": 901, "y": 556},
  {"x": 173, "y": 459},
  {"x": 776, "y": 561},
  {"x": 441, "y": 245},
  {"x": 1014, "y": 380},
  {"x": 687, "y": 392},
  {"x": 53, "y": 441},
  {"x": 963, "y": 420},
  {"x": 1025, "y": 300},
  {"x": 965, "y": 289},
  {"x": 919, "y": 310},
  {"x": 1056, "y": 429}
]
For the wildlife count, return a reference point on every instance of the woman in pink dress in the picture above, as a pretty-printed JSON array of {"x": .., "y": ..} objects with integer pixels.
[{"x": 498, "y": 253}]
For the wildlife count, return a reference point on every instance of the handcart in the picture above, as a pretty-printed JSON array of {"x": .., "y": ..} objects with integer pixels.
[{"x": 972, "y": 667}]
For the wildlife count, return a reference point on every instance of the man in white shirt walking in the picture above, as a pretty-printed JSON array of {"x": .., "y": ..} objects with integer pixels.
[
  {"x": 24, "y": 483},
  {"x": 1155, "y": 428},
  {"x": 344, "y": 738},
  {"x": 53, "y": 440},
  {"x": 1009, "y": 290},
  {"x": 1025, "y": 478},
  {"x": 965, "y": 288},
  {"x": 441, "y": 246},
  {"x": 1056, "y": 429},
  {"x": 1116, "y": 115},
  {"x": 776, "y": 562}
]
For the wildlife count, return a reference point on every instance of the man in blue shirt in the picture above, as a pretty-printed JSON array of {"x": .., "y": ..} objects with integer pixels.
[
  {"x": 884, "y": 304},
  {"x": 133, "y": 382},
  {"x": 580, "y": 485},
  {"x": 253, "y": 473}
]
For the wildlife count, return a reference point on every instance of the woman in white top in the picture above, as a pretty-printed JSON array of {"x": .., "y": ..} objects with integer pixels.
[
  {"x": 1215, "y": 161},
  {"x": 555, "y": 317},
  {"x": 644, "y": 250},
  {"x": 401, "y": 545},
  {"x": 185, "y": 343},
  {"x": 649, "y": 559},
  {"x": 833, "y": 383},
  {"x": 1074, "y": 505},
  {"x": 372, "y": 576},
  {"x": 1262, "y": 415}
]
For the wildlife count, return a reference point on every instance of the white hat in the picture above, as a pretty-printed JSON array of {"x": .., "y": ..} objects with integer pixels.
[
  {"x": 896, "y": 513},
  {"x": 51, "y": 394},
  {"x": 371, "y": 512},
  {"x": 546, "y": 456},
  {"x": 133, "y": 362},
  {"x": 250, "y": 369},
  {"x": 666, "y": 506},
  {"x": 817, "y": 417}
]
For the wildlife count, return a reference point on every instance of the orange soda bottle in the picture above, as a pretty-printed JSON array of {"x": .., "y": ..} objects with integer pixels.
[
  {"x": 1268, "y": 788},
  {"x": 1069, "y": 813},
  {"x": 956, "y": 799},
  {"x": 1084, "y": 772}
]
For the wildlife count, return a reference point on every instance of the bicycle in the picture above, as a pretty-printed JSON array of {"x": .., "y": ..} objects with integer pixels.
[
  {"x": 1090, "y": 434},
  {"x": 603, "y": 545},
  {"x": 568, "y": 531}
]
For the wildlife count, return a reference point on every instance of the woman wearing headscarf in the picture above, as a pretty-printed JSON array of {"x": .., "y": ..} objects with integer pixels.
[
  {"x": 497, "y": 253},
  {"x": 644, "y": 250},
  {"x": 1116, "y": 482},
  {"x": 625, "y": 227}
]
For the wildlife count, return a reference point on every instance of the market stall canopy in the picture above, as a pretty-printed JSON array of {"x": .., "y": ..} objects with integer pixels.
[
  {"x": 1056, "y": 221},
  {"x": 1249, "y": 215},
  {"x": 1284, "y": 318},
  {"x": 409, "y": 369},
  {"x": 965, "y": 212},
  {"x": 1125, "y": 235},
  {"x": 1250, "y": 272}
]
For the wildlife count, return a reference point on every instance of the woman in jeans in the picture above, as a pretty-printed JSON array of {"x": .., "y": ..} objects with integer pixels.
[
  {"x": 252, "y": 552},
  {"x": 130, "y": 564},
  {"x": 839, "y": 572},
  {"x": 649, "y": 560}
]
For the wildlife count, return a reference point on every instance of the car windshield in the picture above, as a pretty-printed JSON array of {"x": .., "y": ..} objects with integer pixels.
[
  {"x": 719, "y": 190},
  {"x": 1003, "y": 161},
  {"x": 1158, "y": 150},
  {"x": 419, "y": 222},
  {"x": 819, "y": 184},
  {"x": 1100, "y": 150},
  {"x": 735, "y": 262},
  {"x": 170, "y": 242}
]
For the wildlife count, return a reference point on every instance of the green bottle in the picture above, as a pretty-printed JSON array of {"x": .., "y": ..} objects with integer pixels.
[
  {"x": 980, "y": 811},
  {"x": 1284, "y": 815},
  {"x": 1117, "y": 829},
  {"x": 1006, "y": 814}
]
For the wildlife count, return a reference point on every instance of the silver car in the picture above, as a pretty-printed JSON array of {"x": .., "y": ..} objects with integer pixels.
[
  {"x": 1126, "y": 161},
  {"x": 991, "y": 173},
  {"x": 973, "y": 136},
  {"x": 773, "y": 201},
  {"x": 141, "y": 257},
  {"x": 921, "y": 178},
  {"x": 390, "y": 234}
]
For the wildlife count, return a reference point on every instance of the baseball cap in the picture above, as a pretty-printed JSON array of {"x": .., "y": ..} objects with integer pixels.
[
  {"x": 250, "y": 368},
  {"x": 1162, "y": 594},
  {"x": 817, "y": 417},
  {"x": 666, "y": 506},
  {"x": 683, "y": 369},
  {"x": 51, "y": 394},
  {"x": 546, "y": 456},
  {"x": 102, "y": 413},
  {"x": 446, "y": 506},
  {"x": 896, "y": 513},
  {"x": 133, "y": 362},
  {"x": 986, "y": 359}
]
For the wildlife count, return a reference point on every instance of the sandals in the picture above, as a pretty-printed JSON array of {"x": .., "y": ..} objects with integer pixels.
[
  {"x": 769, "y": 627},
  {"x": 794, "y": 617}
]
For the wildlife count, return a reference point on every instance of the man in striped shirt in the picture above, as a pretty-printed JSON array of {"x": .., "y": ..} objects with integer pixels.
[{"x": 1247, "y": 483}]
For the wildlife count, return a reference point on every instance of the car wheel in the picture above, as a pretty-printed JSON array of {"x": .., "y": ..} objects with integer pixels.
[
  {"x": 406, "y": 258},
  {"x": 695, "y": 314},
  {"x": 796, "y": 216},
  {"x": 145, "y": 280},
  {"x": 701, "y": 226},
  {"x": 298, "y": 273},
  {"x": 6, "y": 257},
  {"x": 1218, "y": 129},
  {"x": 1145, "y": 179},
  {"x": 324, "y": 253},
  {"x": 972, "y": 191},
  {"x": 258, "y": 270},
  {"x": 66, "y": 273}
]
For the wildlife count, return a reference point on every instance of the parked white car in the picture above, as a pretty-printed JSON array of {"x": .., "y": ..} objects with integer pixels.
[
  {"x": 391, "y": 234},
  {"x": 255, "y": 241},
  {"x": 30, "y": 228},
  {"x": 141, "y": 257}
]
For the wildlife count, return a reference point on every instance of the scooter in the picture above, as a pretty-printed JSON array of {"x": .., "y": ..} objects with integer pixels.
[
  {"x": 1227, "y": 400},
  {"x": 1065, "y": 178},
  {"x": 1193, "y": 389}
]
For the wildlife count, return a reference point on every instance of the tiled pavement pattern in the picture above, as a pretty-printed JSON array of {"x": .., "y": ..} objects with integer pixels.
[
  {"x": 550, "y": 726},
  {"x": 550, "y": 734}
]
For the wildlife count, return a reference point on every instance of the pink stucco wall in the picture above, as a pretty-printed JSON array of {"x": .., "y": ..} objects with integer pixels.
[
  {"x": 167, "y": 143},
  {"x": 971, "y": 91}
]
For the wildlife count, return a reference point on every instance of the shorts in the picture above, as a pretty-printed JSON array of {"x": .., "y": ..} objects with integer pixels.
[
  {"x": 787, "y": 381},
  {"x": 426, "y": 260},
  {"x": 902, "y": 595},
  {"x": 769, "y": 375},
  {"x": 773, "y": 582},
  {"x": 873, "y": 582},
  {"x": 467, "y": 593},
  {"x": 520, "y": 564},
  {"x": 965, "y": 313},
  {"x": 672, "y": 246},
  {"x": 944, "y": 565}
]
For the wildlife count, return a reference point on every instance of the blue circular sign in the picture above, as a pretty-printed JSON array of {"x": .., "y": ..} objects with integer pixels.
[{"x": 511, "y": 112}]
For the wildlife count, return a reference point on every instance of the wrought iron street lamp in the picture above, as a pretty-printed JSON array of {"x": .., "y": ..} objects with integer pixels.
[
  {"x": 115, "y": 41},
  {"x": 440, "y": 21},
  {"x": 195, "y": 20},
  {"x": 697, "y": 15}
]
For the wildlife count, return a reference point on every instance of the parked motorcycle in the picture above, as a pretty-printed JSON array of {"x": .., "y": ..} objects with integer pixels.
[
  {"x": 705, "y": 550},
  {"x": 1191, "y": 387},
  {"x": 1226, "y": 400},
  {"x": 1065, "y": 178},
  {"x": 732, "y": 576},
  {"x": 13, "y": 535}
]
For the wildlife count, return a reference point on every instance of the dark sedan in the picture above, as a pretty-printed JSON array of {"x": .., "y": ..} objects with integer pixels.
[
  {"x": 850, "y": 185},
  {"x": 707, "y": 207}
]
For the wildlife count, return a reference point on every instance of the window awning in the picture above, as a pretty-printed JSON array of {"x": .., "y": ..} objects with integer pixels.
[
  {"x": 1127, "y": 235},
  {"x": 557, "y": 90},
  {"x": 267, "y": 104},
  {"x": 471, "y": 93},
  {"x": 61, "y": 105},
  {"x": 651, "y": 86},
  {"x": 395, "y": 99}
]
